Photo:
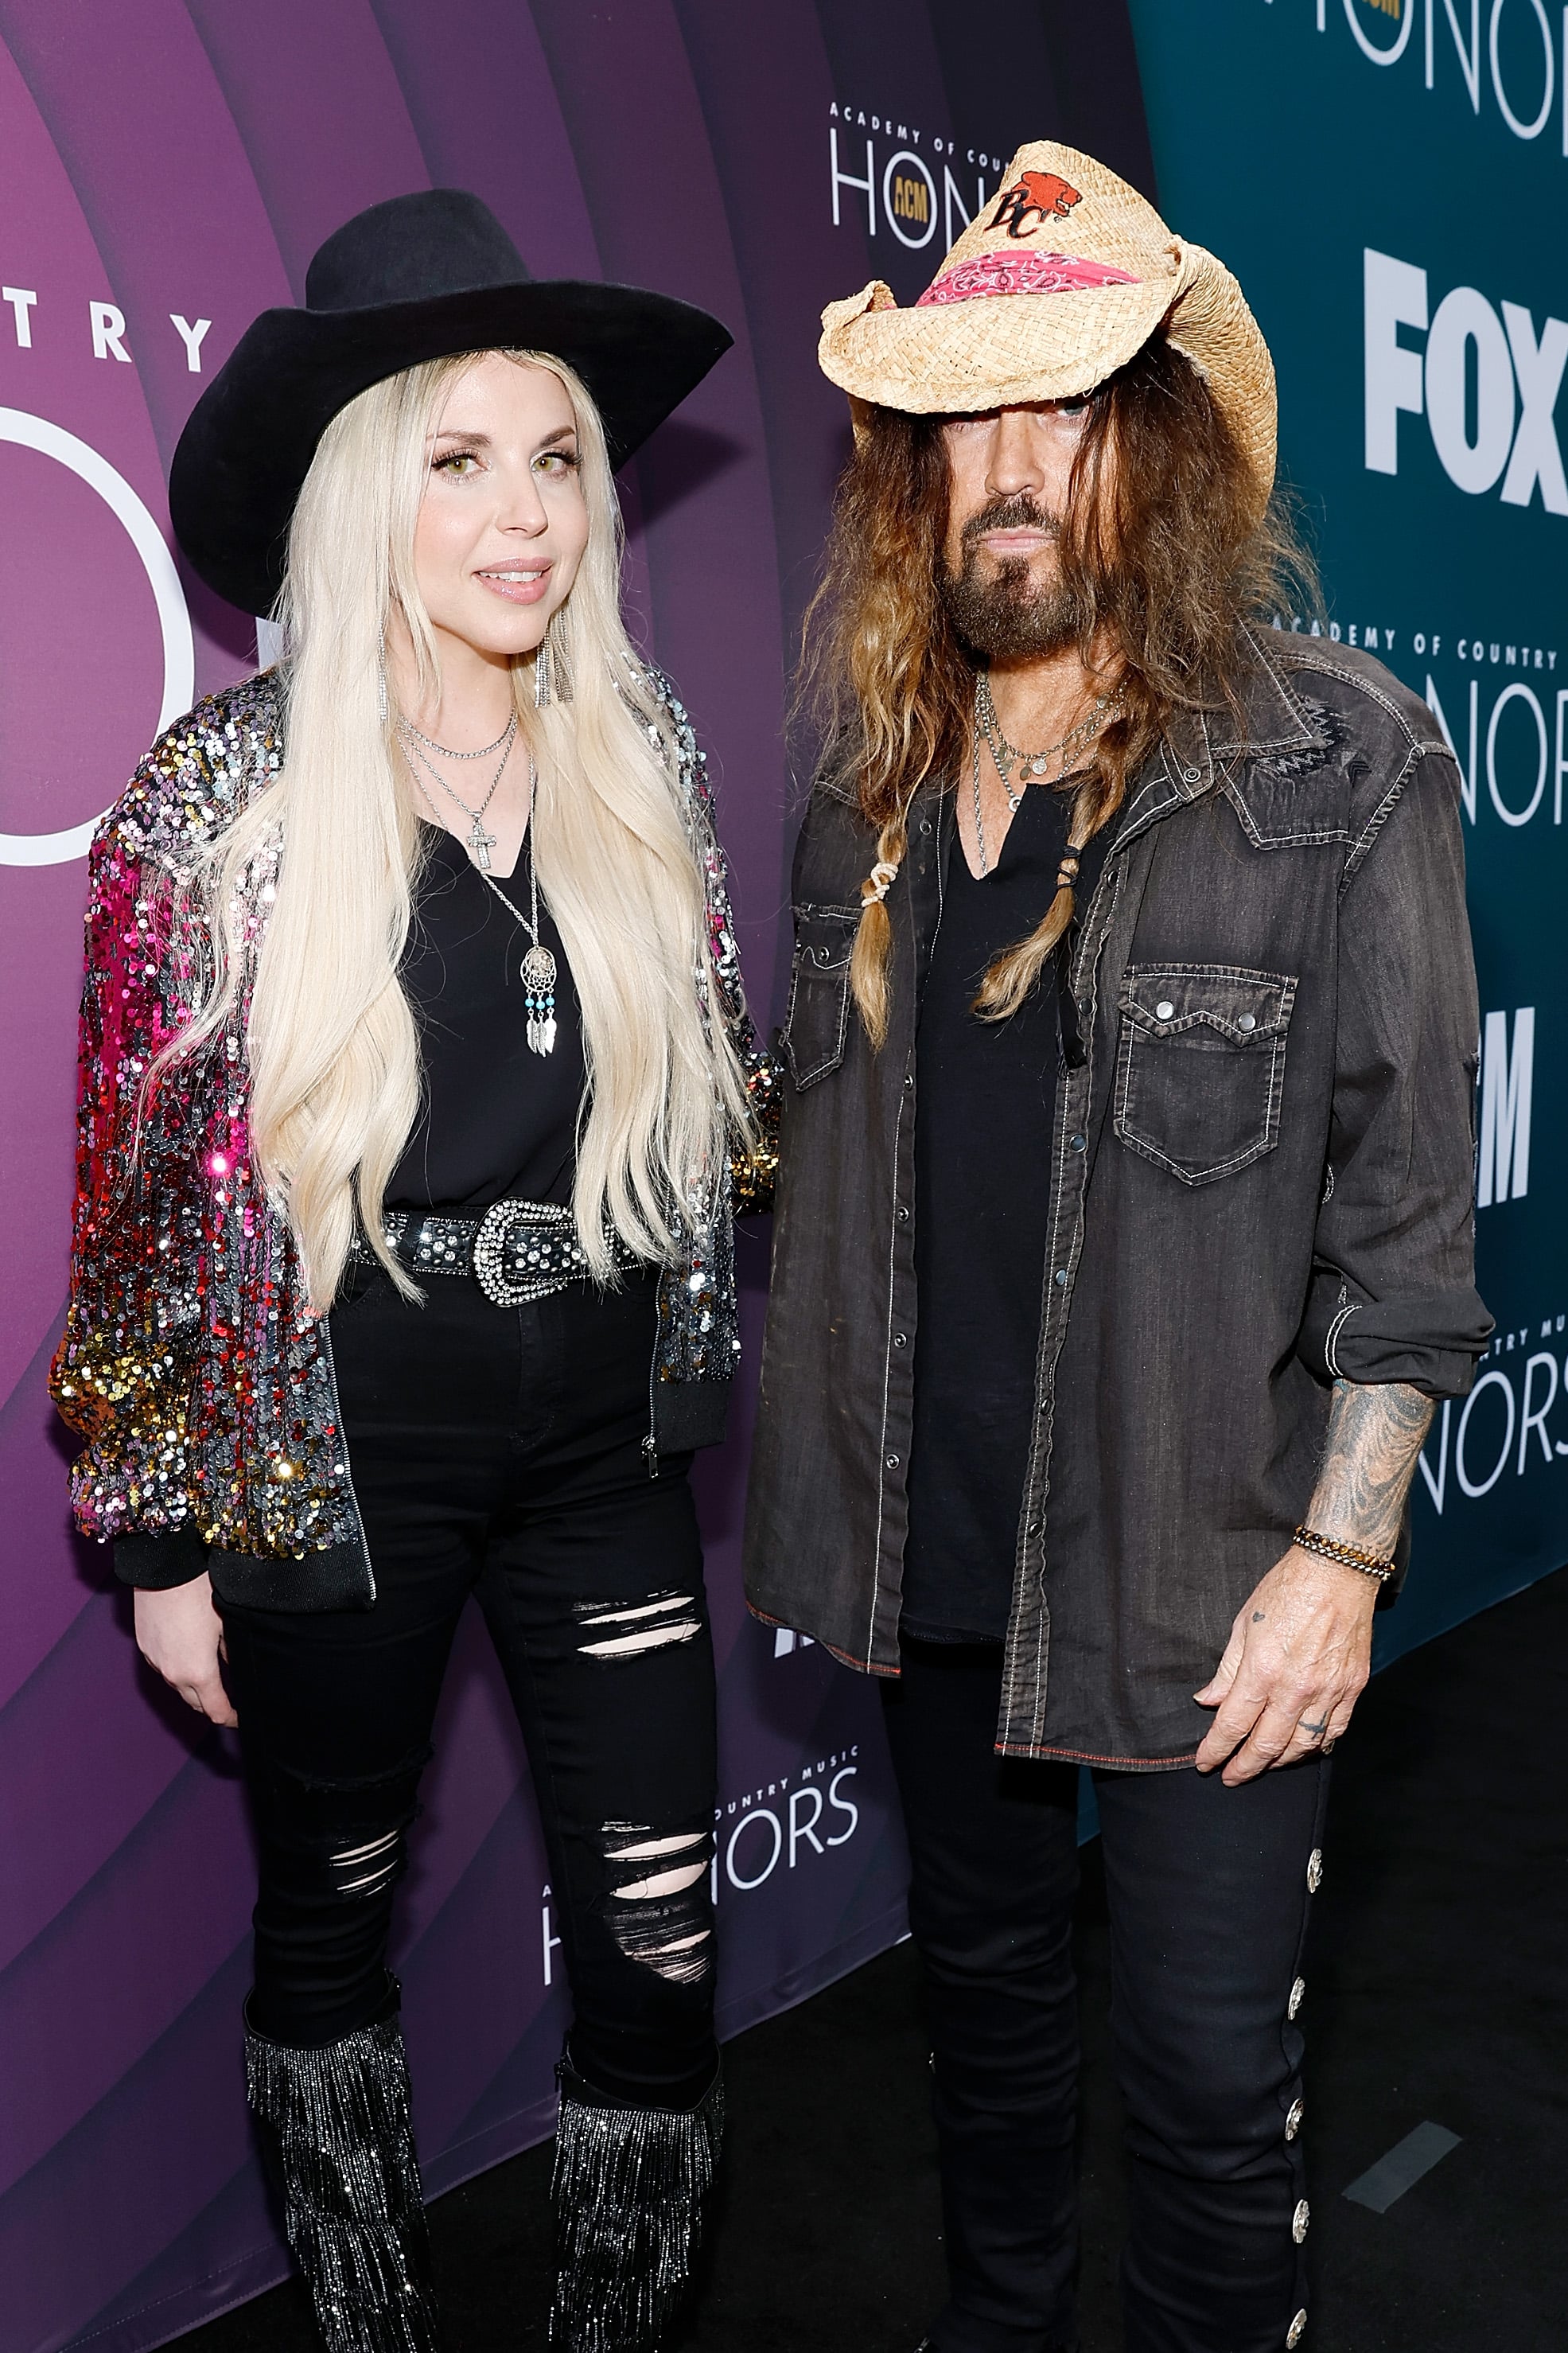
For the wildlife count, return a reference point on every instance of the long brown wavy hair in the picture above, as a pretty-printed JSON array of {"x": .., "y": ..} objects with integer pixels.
[{"x": 1162, "y": 548}]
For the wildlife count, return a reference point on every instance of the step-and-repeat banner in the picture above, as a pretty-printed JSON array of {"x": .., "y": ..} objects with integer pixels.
[
  {"x": 167, "y": 167},
  {"x": 1384, "y": 178},
  {"x": 1389, "y": 180}
]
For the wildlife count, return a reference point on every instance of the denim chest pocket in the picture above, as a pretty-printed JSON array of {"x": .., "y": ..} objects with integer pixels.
[
  {"x": 1200, "y": 1067},
  {"x": 817, "y": 1021}
]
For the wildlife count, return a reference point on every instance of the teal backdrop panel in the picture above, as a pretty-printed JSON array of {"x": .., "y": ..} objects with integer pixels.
[{"x": 1390, "y": 184}]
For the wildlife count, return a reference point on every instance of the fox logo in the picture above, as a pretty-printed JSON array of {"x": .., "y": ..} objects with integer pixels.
[{"x": 1040, "y": 194}]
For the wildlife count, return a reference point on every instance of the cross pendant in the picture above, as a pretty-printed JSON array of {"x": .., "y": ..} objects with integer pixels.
[{"x": 481, "y": 843}]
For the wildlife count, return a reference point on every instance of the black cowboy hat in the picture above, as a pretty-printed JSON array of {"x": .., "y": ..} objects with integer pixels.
[{"x": 417, "y": 278}]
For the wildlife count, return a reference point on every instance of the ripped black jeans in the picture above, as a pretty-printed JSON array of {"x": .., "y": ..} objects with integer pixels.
[{"x": 498, "y": 1452}]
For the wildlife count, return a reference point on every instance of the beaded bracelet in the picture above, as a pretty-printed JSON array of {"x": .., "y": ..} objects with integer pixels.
[{"x": 1348, "y": 1555}]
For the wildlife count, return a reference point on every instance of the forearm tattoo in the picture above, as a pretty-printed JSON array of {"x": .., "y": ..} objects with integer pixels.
[{"x": 1375, "y": 1434}]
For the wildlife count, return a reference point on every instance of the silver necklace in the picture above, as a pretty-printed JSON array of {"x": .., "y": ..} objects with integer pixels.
[
  {"x": 1037, "y": 765},
  {"x": 479, "y": 842},
  {"x": 446, "y": 750},
  {"x": 538, "y": 967},
  {"x": 1014, "y": 800},
  {"x": 979, "y": 820}
]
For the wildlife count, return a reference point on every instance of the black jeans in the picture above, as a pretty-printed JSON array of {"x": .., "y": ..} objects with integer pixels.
[
  {"x": 498, "y": 1452},
  {"x": 1208, "y": 1897}
]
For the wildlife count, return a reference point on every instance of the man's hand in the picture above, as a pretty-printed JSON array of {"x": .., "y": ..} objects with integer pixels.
[
  {"x": 180, "y": 1633},
  {"x": 1300, "y": 1649},
  {"x": 1297, "y": 1661}
]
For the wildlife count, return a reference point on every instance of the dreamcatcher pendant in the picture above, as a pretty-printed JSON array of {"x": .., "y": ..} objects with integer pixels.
[{"x": 539, "y": 980}]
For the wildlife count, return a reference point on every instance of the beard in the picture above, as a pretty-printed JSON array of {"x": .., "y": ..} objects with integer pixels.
[{"x": 1002, "y": 613}]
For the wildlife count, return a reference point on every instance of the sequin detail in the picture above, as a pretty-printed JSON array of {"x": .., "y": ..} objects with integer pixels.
[
  {"x": 338, "y": 2119},
  {"x": 630, "y": 2189},
  {"x": 191, "y": 1363},
  {"x": 698, "y": 1336}
]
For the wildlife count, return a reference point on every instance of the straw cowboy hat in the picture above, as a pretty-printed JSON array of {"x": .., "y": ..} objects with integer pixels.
[
  {"x": 1058, "y": 281},
  {"x": 420, "y": 277}
]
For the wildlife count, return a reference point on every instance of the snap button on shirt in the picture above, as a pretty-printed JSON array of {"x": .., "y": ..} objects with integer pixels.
[
  {"x": 1163, "y": 1011},
  {"x": 1248, "y": 1022}
]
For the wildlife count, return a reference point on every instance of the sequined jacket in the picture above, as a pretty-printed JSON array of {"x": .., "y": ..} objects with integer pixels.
[{"x": 191, "y": 1363}]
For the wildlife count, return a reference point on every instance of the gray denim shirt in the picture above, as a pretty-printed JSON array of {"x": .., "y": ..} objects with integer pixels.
[{"x": 1261, "y": 1179}]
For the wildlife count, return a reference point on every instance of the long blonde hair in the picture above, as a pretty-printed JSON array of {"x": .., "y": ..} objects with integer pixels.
[{"x": 332, "y": 1046}]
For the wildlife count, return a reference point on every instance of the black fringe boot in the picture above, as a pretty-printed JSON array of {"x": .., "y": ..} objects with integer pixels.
[
  {"x": 630, "y": 2191},
  {"x": 336, "y": 2129}
]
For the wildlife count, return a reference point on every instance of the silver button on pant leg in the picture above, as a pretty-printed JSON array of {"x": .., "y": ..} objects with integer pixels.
[
  {"x": 1314, "y": 1871},
  {"x": 1296, "y": 2331},
  {"x": 1293, "y": 2121},
  {"x": 1298, "y": 1996},
  {"x": 1300, "y": 2220}
]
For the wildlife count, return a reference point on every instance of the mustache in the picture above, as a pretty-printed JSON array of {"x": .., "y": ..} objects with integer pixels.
[{"x": 1019, "y": 513}]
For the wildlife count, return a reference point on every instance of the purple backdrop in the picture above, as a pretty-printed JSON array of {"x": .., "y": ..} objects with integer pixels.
[{"x": 169, "y": 163}]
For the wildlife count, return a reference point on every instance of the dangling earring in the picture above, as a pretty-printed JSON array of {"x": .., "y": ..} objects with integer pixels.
[
  {"x": 381, "y": 675},
  {"x": 544, "y": 682}
]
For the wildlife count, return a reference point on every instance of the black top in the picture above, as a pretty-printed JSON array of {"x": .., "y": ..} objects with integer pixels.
[
  {"x": 982, "y": 1139},
  {"x": 495, "y": 1120}
]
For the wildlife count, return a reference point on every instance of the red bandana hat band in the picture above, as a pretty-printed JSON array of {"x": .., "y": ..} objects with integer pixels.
[{"x": 1022, "y": 273}]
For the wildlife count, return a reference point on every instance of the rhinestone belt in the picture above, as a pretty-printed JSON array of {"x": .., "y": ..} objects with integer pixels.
[{"x": 516, "y": 1252}]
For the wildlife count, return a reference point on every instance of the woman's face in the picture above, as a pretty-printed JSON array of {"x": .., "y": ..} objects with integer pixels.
[{"x": 503, "y": 522}]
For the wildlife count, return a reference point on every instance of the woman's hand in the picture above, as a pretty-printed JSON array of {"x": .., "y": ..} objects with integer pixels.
[
  {"x": 1297, "y": 1661},
  {"x": 180, "y": 1634}
]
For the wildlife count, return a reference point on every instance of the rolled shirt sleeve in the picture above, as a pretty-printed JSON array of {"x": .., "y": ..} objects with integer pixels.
[{"x": 1393, "y": 1295}]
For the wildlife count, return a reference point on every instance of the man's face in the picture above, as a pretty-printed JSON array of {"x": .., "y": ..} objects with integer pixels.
[{"x": 1009, "y": 472}]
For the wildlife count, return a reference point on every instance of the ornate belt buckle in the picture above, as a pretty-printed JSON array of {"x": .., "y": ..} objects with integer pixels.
[{"x": 513, "y": 1266}]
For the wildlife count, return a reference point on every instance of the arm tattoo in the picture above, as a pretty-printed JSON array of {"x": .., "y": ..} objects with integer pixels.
[{"x": 1375, "y": 1433}]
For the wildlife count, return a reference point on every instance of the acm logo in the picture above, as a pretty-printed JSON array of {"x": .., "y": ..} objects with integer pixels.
[{"x": 912, "y": 204}]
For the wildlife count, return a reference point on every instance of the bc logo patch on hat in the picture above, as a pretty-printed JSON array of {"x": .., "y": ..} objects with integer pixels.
[
  {"x": 1041, "y": 192},
  {"x": 1064, "y": 274}
]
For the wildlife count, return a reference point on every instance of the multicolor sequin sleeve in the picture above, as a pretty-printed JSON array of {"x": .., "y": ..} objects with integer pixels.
[{"x": 122, "y": 1373}]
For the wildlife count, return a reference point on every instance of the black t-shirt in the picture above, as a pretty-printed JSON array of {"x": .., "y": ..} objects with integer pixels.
[
  {"x": 984, "y": 1112},
  {"x": 496, "y": 1120}
]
